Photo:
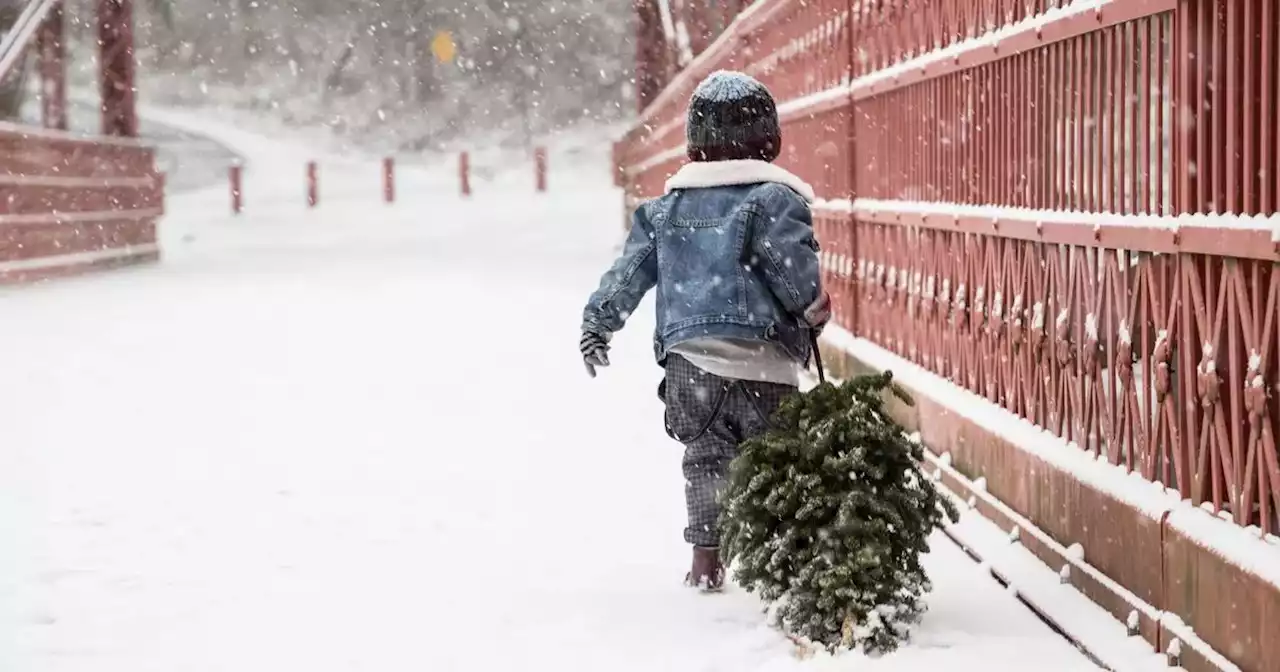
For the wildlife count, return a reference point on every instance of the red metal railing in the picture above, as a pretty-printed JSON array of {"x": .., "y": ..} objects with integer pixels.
[
  {"x": 70, "y": 202},
  {"x": 1065, "y": 207}
]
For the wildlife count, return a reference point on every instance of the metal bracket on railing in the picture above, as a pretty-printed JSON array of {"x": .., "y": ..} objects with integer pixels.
[
  {"x": 1124, "y": 362},
  {"x": 960, "y": 314},
  {"x": 1016, "y": 314},
  {"x": 1160, "y": 358},
  {"x": 1062, "y": 335},
  {"x": 996, "y": 326},
  {"x": 1208, "y": 384},
  {"x": 913, "y": 295},
  {"x": 1255, "y": 398},
  {"x": 926, "y": 296},
  {"x": 979, "y": 317},
  {"x": 1038, "y": 333},
  {"x": 1092, "y": 356}
]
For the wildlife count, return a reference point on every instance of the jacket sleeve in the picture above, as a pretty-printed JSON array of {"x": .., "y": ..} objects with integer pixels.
[
  {"x": 786, "y": 251},
  {"x": 623, "y": 286}
]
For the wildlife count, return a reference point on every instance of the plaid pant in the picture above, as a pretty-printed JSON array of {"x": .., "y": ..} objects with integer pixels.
[{"x": 712, "y": 416}]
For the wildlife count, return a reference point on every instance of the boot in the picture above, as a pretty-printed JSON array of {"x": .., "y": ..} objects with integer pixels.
[{"x": 707, "y": 573}]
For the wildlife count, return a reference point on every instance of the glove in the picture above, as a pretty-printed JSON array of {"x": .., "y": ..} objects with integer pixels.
[
  {"x": 818, "y": 314},
  {"x": 595, "y": 351}
]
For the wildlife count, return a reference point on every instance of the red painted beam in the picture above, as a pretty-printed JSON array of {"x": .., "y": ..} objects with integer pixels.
[{"x": 118, "y": 68}]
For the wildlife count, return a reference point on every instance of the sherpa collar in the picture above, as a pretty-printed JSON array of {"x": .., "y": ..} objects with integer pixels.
[{"x": 701, "y": 174}]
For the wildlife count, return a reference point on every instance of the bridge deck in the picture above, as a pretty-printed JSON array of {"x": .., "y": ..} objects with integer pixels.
[{"x": 362, "y": 439}]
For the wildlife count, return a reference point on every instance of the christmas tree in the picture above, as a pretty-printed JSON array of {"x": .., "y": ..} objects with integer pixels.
[{"x": 827, "y": 516}]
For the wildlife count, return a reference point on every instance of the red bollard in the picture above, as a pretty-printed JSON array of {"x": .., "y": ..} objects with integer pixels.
[
  {"x": 540, "y": 167},
  {"x": 389, "y": 179},
  {"x": 464, "y": 172},
  {"x": 313, "y": 184},
  {"x": 237, "y": 201}
]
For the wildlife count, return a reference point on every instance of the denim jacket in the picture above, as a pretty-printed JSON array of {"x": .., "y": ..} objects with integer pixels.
[{"x": 731, "y": 250}]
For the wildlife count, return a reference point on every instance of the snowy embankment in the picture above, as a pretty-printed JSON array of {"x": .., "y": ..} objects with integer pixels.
[{"x": 361, "y": 438}]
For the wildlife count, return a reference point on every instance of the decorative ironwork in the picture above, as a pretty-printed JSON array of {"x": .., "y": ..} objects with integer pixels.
[{"x": 1030, "y": 216}]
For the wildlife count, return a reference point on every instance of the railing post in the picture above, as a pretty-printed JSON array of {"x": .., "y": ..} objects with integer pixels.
[
  {"x": 464, "y": 173},
  {"x": 540, "y": 168},
  {"x": 849, "y": 278},
  {"x": 236, "y": 174},
  {"x": 698, "y": 24},
  {"x": 313, "y": 184},
  {"x": 53, "y": 70},
  {"x": 118, "y": 68},
  {"x": 649, "y": 47},
  {"x": 389, "y": 179}
]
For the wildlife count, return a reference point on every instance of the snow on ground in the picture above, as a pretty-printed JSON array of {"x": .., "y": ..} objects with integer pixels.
[{"x": 361, "y": 438}]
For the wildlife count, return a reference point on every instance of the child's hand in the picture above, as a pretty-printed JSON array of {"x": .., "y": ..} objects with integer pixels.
[
  {"x": 819, "y": 314},
  {"x": 595, "y": 351}
]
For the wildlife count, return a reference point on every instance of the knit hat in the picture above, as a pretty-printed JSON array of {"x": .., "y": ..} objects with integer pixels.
[{"x": 732, "y": 116}]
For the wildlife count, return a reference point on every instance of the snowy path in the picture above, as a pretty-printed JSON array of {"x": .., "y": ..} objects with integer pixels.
[{"x": 362, "y": 439}]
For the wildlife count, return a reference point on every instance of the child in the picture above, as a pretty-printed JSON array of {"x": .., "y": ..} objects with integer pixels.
[{"x": 730, "y": 248}]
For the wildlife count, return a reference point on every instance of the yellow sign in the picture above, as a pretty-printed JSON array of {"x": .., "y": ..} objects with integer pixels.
[{"x": 443, "y": 47}]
